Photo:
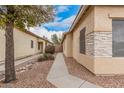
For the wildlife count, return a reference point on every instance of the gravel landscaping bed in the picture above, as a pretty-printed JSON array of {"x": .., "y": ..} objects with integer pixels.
[
  {"x": 80, "y": 71},
  {"x": 31, "y": 75},
  {"x": 21, "y": 67}
]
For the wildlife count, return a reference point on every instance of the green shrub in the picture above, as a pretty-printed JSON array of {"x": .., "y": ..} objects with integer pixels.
[
  {"x": 41, "y": 59},
  {"x": 45, "y": 57},
  {"x": 50, "y": 49}
]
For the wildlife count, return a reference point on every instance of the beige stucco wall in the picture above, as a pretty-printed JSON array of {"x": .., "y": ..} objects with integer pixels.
[
  {"x": 105, "y": 14},
  {"x": 109, "y": 65},
  {"x": 67, "y": 45},
  {"x": 72, "y": 41},
  {"x": 22, "y": 44},
  {"x": 106, "y": 64},
  {"x": 88, "y": 22},
  {"x": 98, "y": 23},
  {"x": 2, "y": 44}
]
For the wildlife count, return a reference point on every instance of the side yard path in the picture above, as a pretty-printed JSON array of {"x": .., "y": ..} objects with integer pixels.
[
  {"x": 104, "y": 81},
  {"x": 61, "y": 78}
]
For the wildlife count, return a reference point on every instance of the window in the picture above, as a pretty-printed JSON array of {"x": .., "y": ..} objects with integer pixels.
[
  {"x": 82, "y": 41},
  {"x": 118, "y": 38},
  {"x": 32, "y": 44}
]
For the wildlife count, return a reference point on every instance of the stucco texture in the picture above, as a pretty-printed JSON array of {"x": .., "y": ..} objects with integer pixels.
[
  {"x": 2, "y": 45},
  {"x": 22, "y": 44},
  {"x": 88, "y": 22},
  {"x": 67, "y": 46},
  {"x": 103, "y": 23},
  {"x": 98, "y": 40}
]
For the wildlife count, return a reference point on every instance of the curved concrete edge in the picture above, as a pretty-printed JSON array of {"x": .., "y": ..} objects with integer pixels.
[{"x": 60, "y": 77}]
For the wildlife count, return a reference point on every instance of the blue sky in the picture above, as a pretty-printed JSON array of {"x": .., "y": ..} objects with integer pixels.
[
  {"x": 64, "y": 14},
  {"x": 64, "y": 17}
]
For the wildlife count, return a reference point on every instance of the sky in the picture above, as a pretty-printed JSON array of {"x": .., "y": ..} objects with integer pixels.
[{"x": 64, "y": 17}]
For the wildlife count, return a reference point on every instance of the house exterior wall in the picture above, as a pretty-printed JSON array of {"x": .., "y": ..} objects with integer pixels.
[
  {"x": 87, "y": 21},
  {"x": 104, "y": 62},
  {"x": 72, "y": 41},
  {"x": 22, "y": 44},
  {"x": 2, "y": 45},
  {"x": 98, "y": 40},
  {"x": 67, "y": 45}
]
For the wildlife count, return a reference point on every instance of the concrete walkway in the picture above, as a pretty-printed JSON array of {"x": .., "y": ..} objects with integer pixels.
[
  {"x": 2, "y": 66},
  {"x": 60, "y": 77}
]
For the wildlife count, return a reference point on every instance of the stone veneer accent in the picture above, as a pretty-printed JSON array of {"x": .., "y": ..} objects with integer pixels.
[
  {"x": 103, "y": 44},
  {"x": 99, "y": 44}
]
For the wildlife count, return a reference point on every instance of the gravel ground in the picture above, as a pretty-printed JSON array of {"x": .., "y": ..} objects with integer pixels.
[
  {"x": 104, "y": 81},
  {"x": 34, "y": 77}
]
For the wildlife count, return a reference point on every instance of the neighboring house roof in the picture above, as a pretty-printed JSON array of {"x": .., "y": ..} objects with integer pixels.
[
  {"x": 28, "y": 32},
  {"x": 32, "y": 34},
  {"x": 82, "y": 10}
]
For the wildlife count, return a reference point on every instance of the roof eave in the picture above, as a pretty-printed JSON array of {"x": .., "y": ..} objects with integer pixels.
[
  {"x": 80, "y": 13},
  {"x": 31, "y": 33}
]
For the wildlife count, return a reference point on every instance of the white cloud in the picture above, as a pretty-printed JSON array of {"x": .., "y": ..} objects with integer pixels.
[
  {"x": 63, "y": 24},
  {"x": 41, "y": 31},
  {"x": 57, "y": 19},
  {"x": 62, "y": 8},
  {"x": 69, "y": 20}
]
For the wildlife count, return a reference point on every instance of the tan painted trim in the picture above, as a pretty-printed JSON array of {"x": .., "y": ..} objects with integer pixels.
[{"x": 111, "y": 16}]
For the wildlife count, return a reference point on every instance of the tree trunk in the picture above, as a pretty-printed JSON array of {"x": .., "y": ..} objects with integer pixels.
[{"x": 9, "y": 54}]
